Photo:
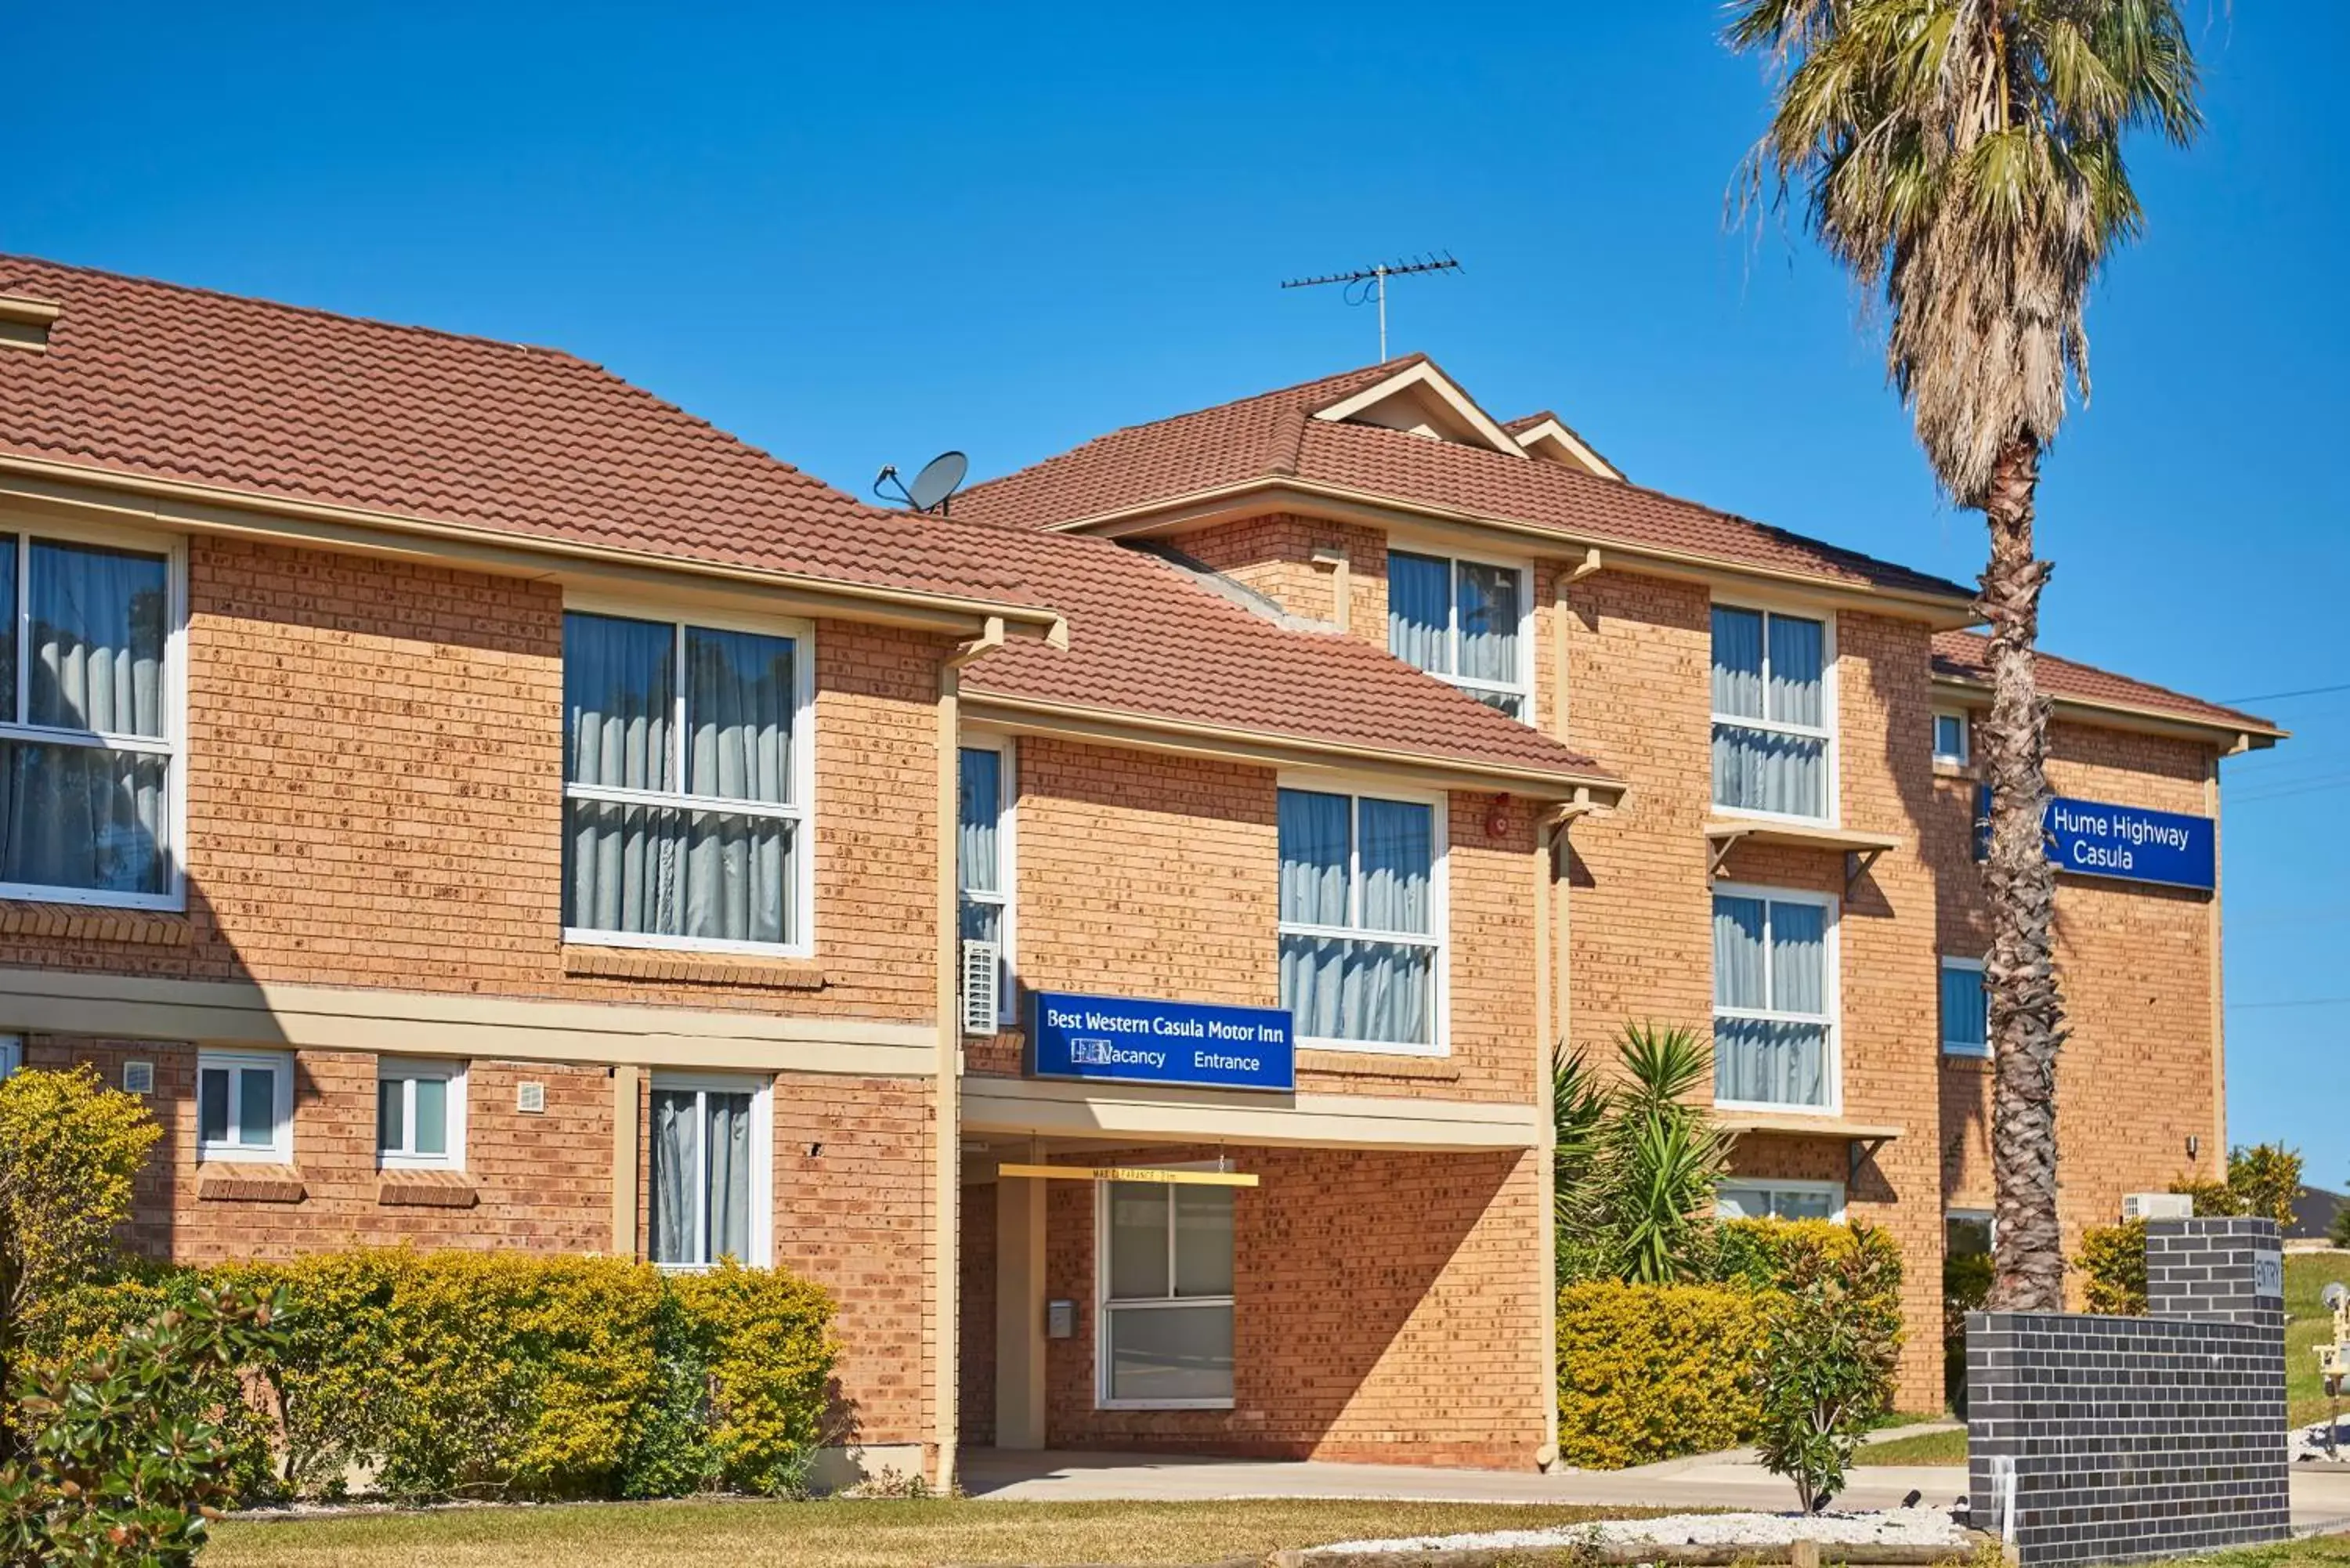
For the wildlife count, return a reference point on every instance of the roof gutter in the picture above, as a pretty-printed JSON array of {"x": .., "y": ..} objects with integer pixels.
[
  {"x": 222, "y": 510},
  {"x": 1944, "y": 611},
  {"x": 1262, "y": 747}
]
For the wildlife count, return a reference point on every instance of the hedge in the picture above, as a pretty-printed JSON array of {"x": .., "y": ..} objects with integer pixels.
[
  {"x": 446, "y": 1373},
  {"x": 2113, "y": 1257}
]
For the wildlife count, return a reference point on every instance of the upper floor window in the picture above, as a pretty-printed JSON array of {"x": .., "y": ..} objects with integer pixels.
[
  {"x": 1361, "y": 943},
  {"x": 983, "y": 858},
  {"x": 1774, "y": 999},
  {"x": 87, "y": 753},
  {"x": 1465, "y": 622},
  {"x": 244, "y": 1106},
  {"x": 1966, "y": 1009},
  {"x": 685, "y": 766},
  {"x": 1773, "y": 721},
  {"x": 1953, "y": 739}
]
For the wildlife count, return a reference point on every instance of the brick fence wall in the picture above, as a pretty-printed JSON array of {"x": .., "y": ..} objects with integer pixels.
[{"x": 2101, "y": 1440}]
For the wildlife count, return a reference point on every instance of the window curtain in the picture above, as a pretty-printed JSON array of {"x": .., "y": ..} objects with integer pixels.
[
  {"x": 79, "y": 816},
  {"x": 674, "y": 1241},
  {"x": 1489, "y": 622},
  {"x": 1966, "y": 1010},
  {"x": 1796, "y": 692},
  {"x": 979, "y": 796},
  {"x": 1349, "y": 988},
  {"x": 1738, "y": 662},
  {"x": 727, "y": 1131},
  {"x": 739, "y": 697},
  {"x": 1769, "y": 1060},
  {"x": 1762, "y": 770},
  {"x": 619, "y": 684},
  {"x": 1419, "y": 602}
]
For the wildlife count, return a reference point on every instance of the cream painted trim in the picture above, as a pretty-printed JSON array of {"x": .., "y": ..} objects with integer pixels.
[
  {"x": 24, "y": 322},
  {"x": 205, "y": 508},
  {"x": 1447, "y": 392},
  {"x": 1032, "y": 715},
  {"x": 1558, "y": 434},
  {"x": 626, "y": 1082},
  {"x": 421, "y": 1023},
  {"x": 1254, "y": 497},
  {"x": 1795, "y": 1124},
  {"x": 993, "y": 1105},
  {"x": 1975, "y": 695}
]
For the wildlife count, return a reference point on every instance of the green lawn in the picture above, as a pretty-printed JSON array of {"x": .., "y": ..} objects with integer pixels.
[
  {"x": 2307, "y": 1324},
  {"x": 891, "y": 1534},
  {"x": 1926, "y": 1448}
]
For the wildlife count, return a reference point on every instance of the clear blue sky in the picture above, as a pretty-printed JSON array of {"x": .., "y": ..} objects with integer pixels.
[{"x": 858, "y": 235}]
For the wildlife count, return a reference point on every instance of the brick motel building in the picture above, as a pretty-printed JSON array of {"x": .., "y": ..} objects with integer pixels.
[{"x": 480, "y": 805}]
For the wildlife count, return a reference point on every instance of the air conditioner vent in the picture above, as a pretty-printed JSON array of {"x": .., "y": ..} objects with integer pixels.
[
  {"x": 982, "y": 1001},
  {"x": 139, "y": 1078},
  {"x": 2158, "y": 1206}
]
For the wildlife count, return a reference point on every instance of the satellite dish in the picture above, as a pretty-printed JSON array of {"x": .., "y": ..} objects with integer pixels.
[
  {"x": 939, "y": 479},
  {"x": 2334, "y": 1296}
]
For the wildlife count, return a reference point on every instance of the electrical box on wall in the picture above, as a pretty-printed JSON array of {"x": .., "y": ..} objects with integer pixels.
[{"x": 1060, "y": 1318}]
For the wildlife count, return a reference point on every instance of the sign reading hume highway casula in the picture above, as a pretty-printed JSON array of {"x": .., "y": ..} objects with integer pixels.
[
  {"x": 1140, "y": 1040},
  {"x": 2096, "y": 839}
]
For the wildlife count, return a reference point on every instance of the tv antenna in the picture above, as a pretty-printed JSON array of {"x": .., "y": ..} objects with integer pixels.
[
  {"x": 1369, "y": 286},
  {"x": 932, "y": 488}
]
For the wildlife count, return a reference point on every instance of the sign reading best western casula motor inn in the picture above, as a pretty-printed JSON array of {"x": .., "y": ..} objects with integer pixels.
[
  {"x": 1140, "y": 1040},
  {"x": 2095, "y": 838}
]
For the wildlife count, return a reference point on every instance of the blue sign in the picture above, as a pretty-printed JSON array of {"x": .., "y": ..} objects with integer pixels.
[
  {"x": 1135, "y": 1039},
  {"x": 2093, "y": 839}
]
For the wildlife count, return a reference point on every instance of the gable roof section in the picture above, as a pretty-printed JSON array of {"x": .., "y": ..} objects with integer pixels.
[
  {"x": 1964, "y": 658},
  {"x": 1546, "y": 429},
  {"x": 271, "y": 402},
  {"x": 1275, "y": 437}
]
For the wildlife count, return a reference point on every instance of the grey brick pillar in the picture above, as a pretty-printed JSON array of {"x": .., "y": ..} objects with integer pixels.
[{"x": 2098, "y": 1439}]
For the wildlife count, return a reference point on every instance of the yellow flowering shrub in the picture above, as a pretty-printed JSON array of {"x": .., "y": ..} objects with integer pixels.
[{"x": 1650, "y": 1372}]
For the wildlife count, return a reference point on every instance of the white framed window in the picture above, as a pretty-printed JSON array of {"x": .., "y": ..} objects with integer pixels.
[
  {"x": 713, "y": 1195},
  {"x": 1774, "y": 715},
  {"x": 1165, "y": 1328},
  {"x": 1779, "y": 1199},
  {"x": 1953, "y": 737},
  {"x": 1362, "y": 920},
  {"x": 11, "y": 1054},
  {"x": 1467, "y": 622},
  {"x": 1966, "y": 1009},
  {"x": 687, "y": 772},
  {"x": 245, "y": 1106},
  {"x": 1774, "y": 999},
  {"x": 983, "y": 850},
  {"x": 91, "y": 724},
  {"x": 1968, "y": 1232},
  {"x": 420, "y": 1114}
]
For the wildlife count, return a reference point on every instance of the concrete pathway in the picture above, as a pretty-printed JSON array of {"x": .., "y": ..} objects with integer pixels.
[{"x": 2320, "y": 1500}]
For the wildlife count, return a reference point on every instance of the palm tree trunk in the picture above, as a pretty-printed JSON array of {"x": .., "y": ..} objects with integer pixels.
[{"x": 2027, "y": 1017}]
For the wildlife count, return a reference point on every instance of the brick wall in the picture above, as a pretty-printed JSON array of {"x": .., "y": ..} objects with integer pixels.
[
  {"x": 374, "y": 794},
  {"x": 1354, "y": 1336}
]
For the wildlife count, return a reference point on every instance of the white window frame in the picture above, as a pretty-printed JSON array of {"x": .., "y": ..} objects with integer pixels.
[
  {"x": 1104, "y": 1305},
  {"x": 1440, "y": 907},
  {"x": 172, "y": 745},
  {"x": 1831, "y": 762},
  {"x": 1835, "y": 1190},
  {"x": 760, "y": 1088},
  {"x": 1833, "y": 986},
  {"x": 279, "y": 1150},
  {"x": 1522, "y": 687},
  {"x": 1965, "y": 755},
  {"x": 408, "y": 1070},
  {"x": 1941, "y": 1030},
  {"x": 800, "y": 811},
  {"x": 1006, "y": 874},
  {"x": 11, "y": 1054}
]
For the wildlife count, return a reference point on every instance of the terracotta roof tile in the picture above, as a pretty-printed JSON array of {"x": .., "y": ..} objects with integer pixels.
[
  {"x": 161, "y": 381},
  {"x": 1274, "y": 435},
  {"x": 1966, "y": 656}
]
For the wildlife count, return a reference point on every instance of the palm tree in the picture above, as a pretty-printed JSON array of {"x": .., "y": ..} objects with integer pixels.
[{"x": 1965, "y": 156}]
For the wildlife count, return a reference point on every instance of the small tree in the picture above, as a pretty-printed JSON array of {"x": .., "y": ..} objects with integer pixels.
[
  {"x": 70, "y": 1149},
  {"x": 1829, "y": 1346},
  {"x": 1638, "y": 1167}
]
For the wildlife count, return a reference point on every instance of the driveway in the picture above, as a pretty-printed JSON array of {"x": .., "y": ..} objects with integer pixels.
[{"x": 2320, "y": 1499}]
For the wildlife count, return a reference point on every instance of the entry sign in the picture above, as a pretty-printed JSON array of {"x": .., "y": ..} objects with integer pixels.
[
  {"x": 1136, "y": 1040},
  {"x": 2094, "y": 838}
]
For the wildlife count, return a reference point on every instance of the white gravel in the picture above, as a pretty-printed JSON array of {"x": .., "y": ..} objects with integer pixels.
[{"x": 1903, "y": 1526}]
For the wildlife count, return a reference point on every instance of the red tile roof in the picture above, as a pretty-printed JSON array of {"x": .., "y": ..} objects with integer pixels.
[
  {"x": 1966, "y": 656},
  {"x": 154, "y": 380},
  {"x": 1275, "y": 436}
]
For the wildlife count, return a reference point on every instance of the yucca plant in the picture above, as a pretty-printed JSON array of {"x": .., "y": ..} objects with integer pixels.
[
  {"x": 1636, "y": 1165},
  {"x": 1964, "y": 157}
]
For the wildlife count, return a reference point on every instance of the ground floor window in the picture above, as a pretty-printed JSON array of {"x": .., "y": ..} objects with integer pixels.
[
  {"x": 244, "y": 1106},
  {"x": 420, "y": 1115},
  {"x": 1967, "y": 1233},
  {"x": 12, "y": 1054},
  {"x": 1166, "y": 1296},
  {"x": 1780, "y": 1201},
  {"x": 713, "y": 1141}
]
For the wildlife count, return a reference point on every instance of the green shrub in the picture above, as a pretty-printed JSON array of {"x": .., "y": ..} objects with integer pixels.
[
  {"x": 1824, "y": 1370},
  {"x": 2114, "y": 1258},
  {"x": 765, "y": 1341},
  {"x": 1650, "y": 1372},
  {"x": 1966, "y": 1285}
]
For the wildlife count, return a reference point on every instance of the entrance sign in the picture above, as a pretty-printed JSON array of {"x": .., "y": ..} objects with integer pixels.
[
  {"x": 2094, "y": 838},
  {"x": 1130, "y": 1173},
  {"x": 1138, "y": 1040}
]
